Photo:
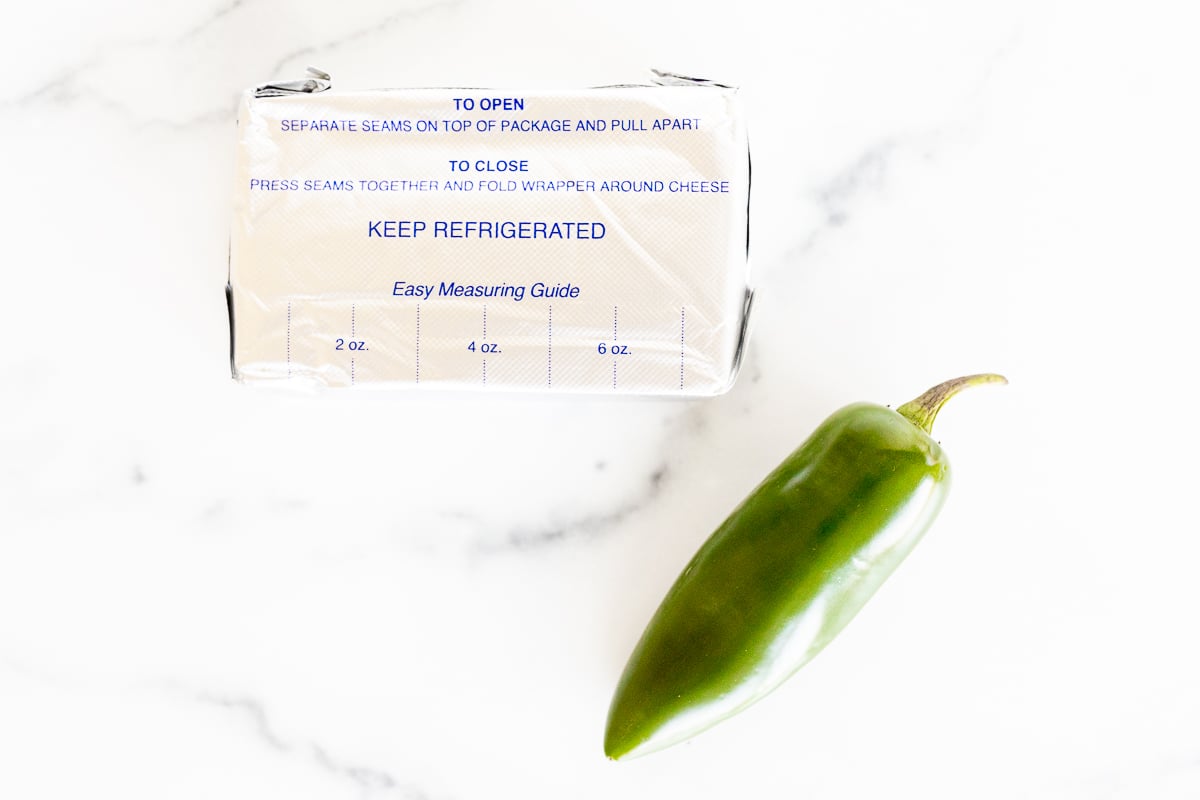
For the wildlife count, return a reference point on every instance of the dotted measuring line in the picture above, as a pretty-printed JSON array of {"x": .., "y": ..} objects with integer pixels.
[
  {"x": 682, "y": 324},
  {"x": 289, "y": 340},
  {"x": 352, "y": 335},
  {"x": 549, "y": 345},
  {"x": 485, "y": 343},
  {"x": 418, "y": 343},
  {"x": 614, "y": 341}
]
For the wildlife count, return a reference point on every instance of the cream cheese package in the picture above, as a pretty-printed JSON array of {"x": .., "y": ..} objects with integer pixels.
[{"x": 575, "y": 241}]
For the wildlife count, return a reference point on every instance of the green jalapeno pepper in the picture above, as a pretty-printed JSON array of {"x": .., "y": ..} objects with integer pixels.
[{"x": 788, "y": 569}]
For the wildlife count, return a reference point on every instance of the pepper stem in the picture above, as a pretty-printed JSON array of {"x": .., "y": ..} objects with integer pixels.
[{"x": 922, "y": 411}]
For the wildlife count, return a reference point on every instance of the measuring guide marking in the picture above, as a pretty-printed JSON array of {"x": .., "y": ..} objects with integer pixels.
[
  {"x": 435, "y": 346},
  {"x": 289, "y": 340},
  {"x": 614, "y": 347}
]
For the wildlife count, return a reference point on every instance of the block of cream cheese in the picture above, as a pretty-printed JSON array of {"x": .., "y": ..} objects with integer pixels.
[{"x": 574, "y": 241}]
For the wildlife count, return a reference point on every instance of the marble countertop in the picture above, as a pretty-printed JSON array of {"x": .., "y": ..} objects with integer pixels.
[{"x": 209, "y": 590}]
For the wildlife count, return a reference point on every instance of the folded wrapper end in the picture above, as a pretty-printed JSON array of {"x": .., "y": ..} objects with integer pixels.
[
  {"x": 665, "y": 78},
  {"x": 317, "y": 81},
  {"x": 743, "y": 336},
  {"x": 229, "y": 308}
]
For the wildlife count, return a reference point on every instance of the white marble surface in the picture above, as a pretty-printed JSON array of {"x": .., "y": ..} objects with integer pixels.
[{"x": 210, "y": 591}]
